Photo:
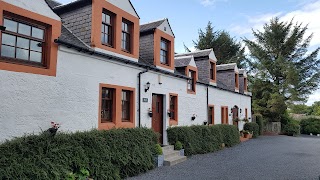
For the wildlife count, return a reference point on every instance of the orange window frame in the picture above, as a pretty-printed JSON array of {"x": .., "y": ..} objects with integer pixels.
[
  {"x": 174, "y": 121},
  {"x": 97, "y": 8},
  {"x": 224, "y": 115},
  {"x": 237, "y": 80},
  {"x": 213, "y": 74},
  {"x": 53, "y": 31},
  {"x": 246, "y": 113},
  {"x": 212, "y": 113},
  {"x": 245, "y": 84},
  {"x": 195, "y": 78},
  {"x": 158, "y": 36},
  {"x": 117, "y": 121}
]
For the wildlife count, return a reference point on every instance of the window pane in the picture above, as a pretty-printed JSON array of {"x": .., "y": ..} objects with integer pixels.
[
  {"x": 23, "y": 43},
  {"x": 10, "y": 25},
  {"x": 102, "y": 28},
  {"x": 8, "y": 39},
  {"x": 22, "y": 54},
  {"x": 24, "y": 29},
  {"x": 7, "y": 51},
  {"x": 37, "y": 33},
  {"x": 103, "y": 17},
  {"x": 108, "y": 19},
  {"x": 35, "y": 56},
  {"x": 36, "y": 46}
]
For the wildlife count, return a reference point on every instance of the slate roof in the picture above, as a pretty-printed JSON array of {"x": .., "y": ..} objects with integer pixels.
[
  {"x": 196, "y": 54},
  {"x": 52, "y": 3},
  {"x": 68, "y": 37},
  {"x": 225, "y": 67},
  {"x": 182, "y": 61},
  {"x": 150, "y": 26}
]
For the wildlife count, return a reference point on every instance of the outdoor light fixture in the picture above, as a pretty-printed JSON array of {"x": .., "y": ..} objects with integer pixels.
[
  {"x": 2, "y": 28},
  {"x": 147, "y": 87},
  {"x": 240, "y": 110}
]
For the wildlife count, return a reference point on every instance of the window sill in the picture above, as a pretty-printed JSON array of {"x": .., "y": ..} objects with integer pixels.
[
  {"x": 108, "y": 45},
  {"x": 173, "y": 122},
  {"x": 191, "y": 92},
  {"x": 126, "y": 51},
  {"x": 22, "y": 62}
]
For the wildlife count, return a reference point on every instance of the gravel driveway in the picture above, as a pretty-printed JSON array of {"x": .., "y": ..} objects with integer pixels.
[{"x": 268, "y": 157}]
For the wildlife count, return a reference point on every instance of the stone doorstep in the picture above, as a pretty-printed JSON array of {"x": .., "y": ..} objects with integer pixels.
[
  {"x": 174, "y": 160},
  {"x": 172, "y": 157}
]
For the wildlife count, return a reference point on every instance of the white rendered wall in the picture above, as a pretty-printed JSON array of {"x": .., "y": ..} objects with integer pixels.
[
  {"x": 36, "y": 6},
  {"x": 220, "y": 98},
  {"x": 29, "y": 102}
]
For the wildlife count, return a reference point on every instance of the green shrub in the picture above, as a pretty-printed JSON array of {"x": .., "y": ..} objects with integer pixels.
[
  {"x": 259, "y": 121},
  {"x": 178, "y": 145},
  {"x": 113, "y": 154},
  {"x": 292, "y": 129},
  {"x": 203, "y": 139},
  {"x": 158, "y": 149},
  {"x": 252, "y": 127},
  {"x": 311, "y": 125}
]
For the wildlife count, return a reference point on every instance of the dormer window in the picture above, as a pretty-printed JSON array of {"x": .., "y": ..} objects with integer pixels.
[
  {"x": 212, "y": 71},
  {"x": 237, "y": 81},
  {"x": 245, "y": 84},
  {"x": 126, "y": 35},
  {"x": 191, "y": 81},
  {"x": 107, "y": 28},
  {"x": 23, "y": 41},
  {"x": 164, "y": 58}
]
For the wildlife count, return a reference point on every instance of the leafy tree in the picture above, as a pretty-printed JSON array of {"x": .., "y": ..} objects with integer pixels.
[
  {"x": 226, "y": 48},
  {"x": 279, "y": 55},
  {"x": 315, "y": 108},
  {"x": 300, "y": 109}
]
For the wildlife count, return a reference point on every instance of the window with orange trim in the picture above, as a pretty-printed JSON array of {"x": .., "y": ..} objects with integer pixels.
[
  {"x": 107, "y": 28},
  {"x": 246, "y": 113},
  {"x": 245, "y": 84},
  {"x": 237, "y": 80},
  {"x": 126, "y": 35},
  {"x": 212, "y": 71},
  {"x": 191, "y": 81},
  {"x": 164, "y": 52},
  {"x": 224, "y": 115},
  {"x": 23, "y": 41},
  {"x": 126, "y": 104},
  {"x": 211, "y": 115},
  {"x": 107, "y": 105},
  {"x": 173, "y": 107}
]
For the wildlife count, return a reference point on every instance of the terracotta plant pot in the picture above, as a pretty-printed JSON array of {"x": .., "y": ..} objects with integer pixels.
[
  {"x": 250, "y": 136},
  {"x": 246, "y": 135}
]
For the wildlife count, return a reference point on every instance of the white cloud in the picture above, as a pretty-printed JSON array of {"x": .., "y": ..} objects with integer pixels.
[
  {"x": 314, "y": 97},
  {"x": 207, "y": 3}
]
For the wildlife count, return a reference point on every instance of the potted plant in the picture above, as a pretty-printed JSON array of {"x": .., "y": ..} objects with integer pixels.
[
  {"x": 236, "y": 119},
  {"x": 159, "y": 157},
  {"x": 241, "y": 133},
  {"x": 245, "y": 120},
  {"x": 250, "y": 134},
  {"x": 246, "y": 134},
  {"x": 179, "y": 147}
]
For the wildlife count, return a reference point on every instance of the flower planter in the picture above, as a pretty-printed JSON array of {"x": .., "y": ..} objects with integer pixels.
[
  {"x": 250, "y": 136},
  {"x": 246, "y": 136},
  {"x": 158, "y": 160}
]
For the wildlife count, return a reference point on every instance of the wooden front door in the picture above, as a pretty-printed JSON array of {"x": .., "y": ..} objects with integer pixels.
[
  {"x": 157, "y": 115},
  {"x": 235, "y": 111}
]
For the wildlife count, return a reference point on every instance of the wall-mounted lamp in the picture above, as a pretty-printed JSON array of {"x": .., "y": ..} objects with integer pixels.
[
  {"x": 240, "y": 110},
  {"x": 147, "y": 87},
  {"x": 193, "y": 117},
  {"x": 149, "y": 112},
  {"x": 231, "y": 110},
  {"x": 169, "y": 113},
  {"x": 2, "y": 28}
]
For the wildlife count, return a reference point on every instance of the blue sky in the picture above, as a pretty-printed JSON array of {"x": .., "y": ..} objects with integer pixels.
[{"x": 237, "y": 17}]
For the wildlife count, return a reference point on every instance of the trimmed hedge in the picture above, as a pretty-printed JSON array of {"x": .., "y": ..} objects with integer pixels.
[
  {"x": 310, "y": 125},
  {"x": 292, "y": 129},
  {"x": 113, "y": 154},
  {"x": 252, "y": 127},
  {"x": 203, "y": 139}
]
